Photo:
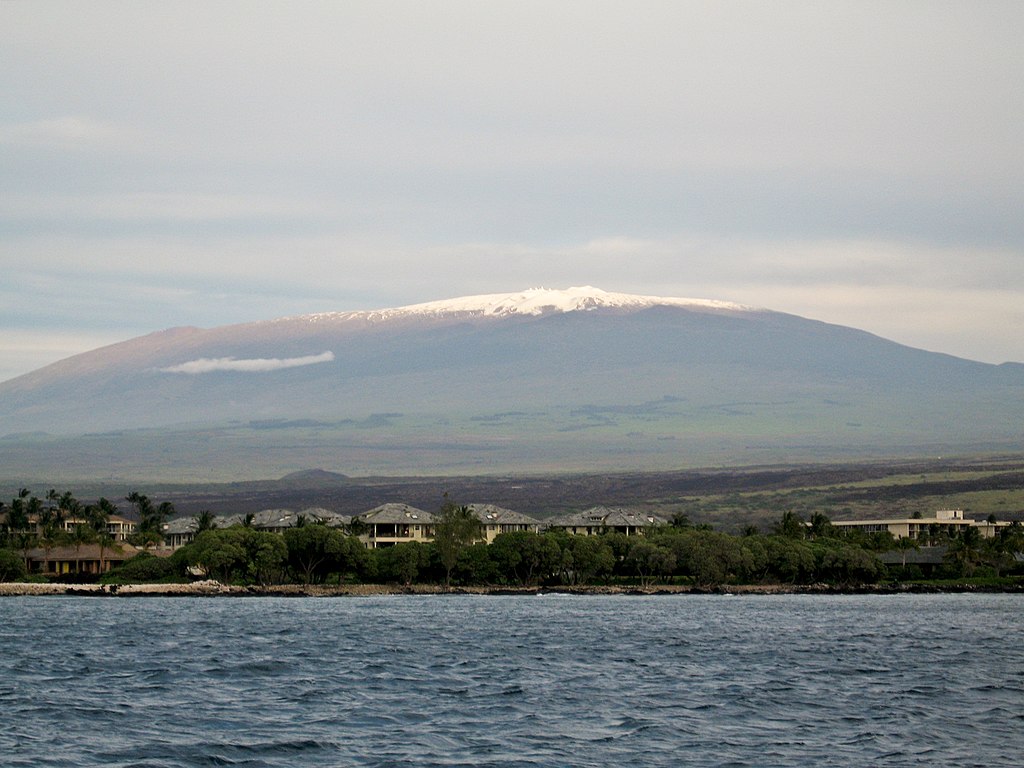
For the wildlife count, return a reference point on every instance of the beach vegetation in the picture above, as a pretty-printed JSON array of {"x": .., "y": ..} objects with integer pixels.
[
  {"x": 455, "y": 529},
  {"x": 12, "y": 565}
]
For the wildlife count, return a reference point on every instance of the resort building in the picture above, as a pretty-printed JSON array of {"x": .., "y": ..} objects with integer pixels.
[
  {"x": 600, "y": 519},
  {"x": 391, "y": 524},
  {"x": 394, "y": 523},
  {"x": 946, "y": 522},
  {"x": 119, "y": 528},
  {"x": 496, "y": 520},
  {"x": 88, "y": 558},
  {"x": 182, "y": 530}
]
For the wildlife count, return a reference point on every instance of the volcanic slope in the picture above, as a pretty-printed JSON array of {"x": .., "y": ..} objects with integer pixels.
[{"x": 534, "y": 381}]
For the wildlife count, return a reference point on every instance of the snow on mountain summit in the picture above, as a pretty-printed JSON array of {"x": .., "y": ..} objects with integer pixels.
[{"x": 535, "y": 301}]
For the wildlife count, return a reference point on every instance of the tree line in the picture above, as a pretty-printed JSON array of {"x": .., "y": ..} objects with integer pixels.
[{"x": 793, "y": 552}]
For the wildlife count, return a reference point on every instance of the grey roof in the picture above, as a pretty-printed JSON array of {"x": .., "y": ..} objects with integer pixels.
[
  {"x": 118, "y": 551},
  {"x": 327, "y": 517},
  {"x": 607, "y": 517},
  {"x": 280, "y": 519},
  {"x": 495, "y": 515},
  {"x": 275, "y": 519},
  {"x": 265, "y": 519},
  {"x": 180, "y": 525},
  {"x": 389, "y": 514},
  {"x": 920, "y": 556}
]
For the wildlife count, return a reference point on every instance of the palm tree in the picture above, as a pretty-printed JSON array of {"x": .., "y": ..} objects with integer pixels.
[
  {"x": 151, "y": 518},
  {"x": 791, "y": 525},
  {"x": 820, "y": 525},
  {"x": 81, "y": 534},
  {"x": 904, "y": 545},
  {"x": 205, "y": 521},
  {"x": 964, "y": 550},
  {"x": 18, "y": 524},
  {"x": 97, "y": 517},
  {"x": 69, "y": 506},
  {"x": 48, "y": 525}
]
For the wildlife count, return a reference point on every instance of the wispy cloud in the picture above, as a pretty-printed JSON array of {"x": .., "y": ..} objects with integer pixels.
[
  {"x": 77, "y": 131},
  {"x": 254, "y": 365}
]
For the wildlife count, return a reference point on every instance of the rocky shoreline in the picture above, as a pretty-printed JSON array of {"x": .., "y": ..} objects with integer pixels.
[{"x": 216, "y": 589}]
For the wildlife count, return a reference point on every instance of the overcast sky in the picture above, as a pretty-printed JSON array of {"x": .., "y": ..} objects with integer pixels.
[{"x": 175, "y": 163}]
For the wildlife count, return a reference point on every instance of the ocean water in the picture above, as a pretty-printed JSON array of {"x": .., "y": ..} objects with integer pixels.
[{"x": 513, "y": 681}]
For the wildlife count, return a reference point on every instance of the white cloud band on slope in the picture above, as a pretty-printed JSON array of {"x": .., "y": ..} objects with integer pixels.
[{"x": 255, "y": 365}]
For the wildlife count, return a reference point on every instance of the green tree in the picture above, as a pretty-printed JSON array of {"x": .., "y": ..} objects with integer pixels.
[
  {"x": 791, "y": 526},
  {"x": 506, "y": 553},
  {"x": 649, "y": 561},
  {"x": 403, "y": 562},
  {"x": 1000, "y": 551},
  {"x": 81, "y": 534},
  {"x": 98, "y": 517},
  {"x": 357, "y": 526},
  {"x": 525, "y": 557},
  {"x": 820, "y": 526},
  {"x": 266, "y": 555},
  {"x": 789, "y": 560},
  {"x": 205, "y": 521},
  {"x": 586, "y": 558},
  {"x": 49, "y": 525},
  {"x": 754, "y": 559},
  {"x": 221, "y": 553},
  {"x": 680, "y": 520},
  {"x": 19, "y": 531},
  {"x": 843, "y": 564},
  {"x": 880, "y": 541},
  {"x": 705, "y": 556},
  {"x": 151, "y": 518},
  {"x": 475, "y": 565},
  {"x": 144, "y": 568},
  {"x": 12, "y": 566},
  {"x": 454, "y": 529},
  {"x": 316, "y": 551},
  {"x": 904, "y": 545},
  {"x": 964, "y": 551},
  {"x": 70, "y": 508}
]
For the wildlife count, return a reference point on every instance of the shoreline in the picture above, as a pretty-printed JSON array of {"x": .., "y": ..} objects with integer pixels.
[{"x": 216, "y": 589}]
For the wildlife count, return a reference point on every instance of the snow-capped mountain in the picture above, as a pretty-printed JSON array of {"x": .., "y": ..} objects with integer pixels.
[
  {"x": 541, "y": 379},
  {"x": 535, "y": 301}
]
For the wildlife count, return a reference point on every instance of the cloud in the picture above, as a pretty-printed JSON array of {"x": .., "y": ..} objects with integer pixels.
[
  {"x": 66, "y": 131},
  {"x": 256, "y": 365}
]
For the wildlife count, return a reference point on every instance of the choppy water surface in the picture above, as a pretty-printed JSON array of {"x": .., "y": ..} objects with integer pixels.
[{"x": 513, "y": 681}]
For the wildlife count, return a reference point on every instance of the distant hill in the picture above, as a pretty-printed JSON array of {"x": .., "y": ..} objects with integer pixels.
[
  {"x": 536, "y": 381},
  {"x": 313, "y": 478}
]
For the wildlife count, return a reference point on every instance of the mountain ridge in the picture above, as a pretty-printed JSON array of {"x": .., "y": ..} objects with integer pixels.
[{"x": 533, "y": 380}]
